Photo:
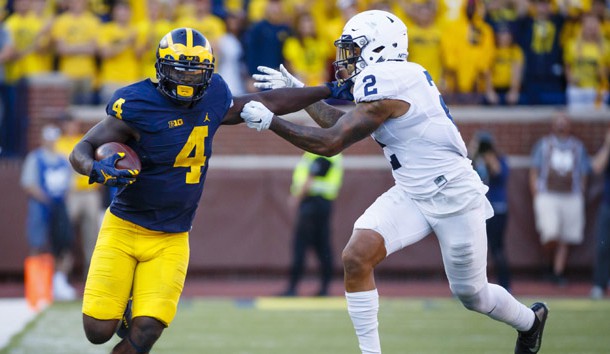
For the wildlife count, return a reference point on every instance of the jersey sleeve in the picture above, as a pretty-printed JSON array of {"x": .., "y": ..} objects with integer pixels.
[
  {"x": 127, "y": 103},
  {"x": 374, "y": 84},
  {"x": 218, "y": 81}
]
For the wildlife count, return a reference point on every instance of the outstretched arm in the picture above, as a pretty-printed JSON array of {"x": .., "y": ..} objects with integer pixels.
[
  {"x": 280, "y": 101},
  {"x": 324, "y": 114},
  {"x": 351, "y": 127}
]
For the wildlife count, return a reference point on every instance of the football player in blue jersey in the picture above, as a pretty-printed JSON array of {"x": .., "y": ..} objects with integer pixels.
[{"x": 142, "y": 249}]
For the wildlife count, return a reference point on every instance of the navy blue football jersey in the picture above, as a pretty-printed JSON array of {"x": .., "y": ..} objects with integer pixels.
[{"x": 175, "y": 147}]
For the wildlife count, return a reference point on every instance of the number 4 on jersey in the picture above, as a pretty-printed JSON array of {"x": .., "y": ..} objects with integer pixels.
[{"x": 192, "y": 154}]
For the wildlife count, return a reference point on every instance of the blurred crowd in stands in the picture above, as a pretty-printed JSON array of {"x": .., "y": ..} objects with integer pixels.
[{"x": 492, "y": 52}]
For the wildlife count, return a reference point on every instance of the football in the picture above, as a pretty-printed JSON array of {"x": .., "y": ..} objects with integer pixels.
[{"x": 131, "y": 161}]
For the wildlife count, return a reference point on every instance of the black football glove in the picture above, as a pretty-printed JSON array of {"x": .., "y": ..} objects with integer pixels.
[
  {"x": 341, "y": 90},
  {"x": 104, "y": 172}
]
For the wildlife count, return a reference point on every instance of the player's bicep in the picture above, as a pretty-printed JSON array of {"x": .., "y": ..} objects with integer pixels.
[
  {"x": 233, "y": 114},
  {"x": 108, "y": 130}
]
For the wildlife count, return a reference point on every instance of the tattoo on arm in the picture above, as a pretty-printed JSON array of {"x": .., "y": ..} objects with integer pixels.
[
  {"x": 324, "y": 114},
  {"x": 352, "y": 127}
]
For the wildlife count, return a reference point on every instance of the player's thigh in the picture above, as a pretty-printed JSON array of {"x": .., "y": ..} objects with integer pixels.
[
  {"x": 396, "y": 218},
  {"x": 463, "y": 244},
  {"x": 547, "y": 216},
  {"x": 160, "y": 276},
  {"x": 111, "y": 272},
  {"x": 572, "y": 210}
]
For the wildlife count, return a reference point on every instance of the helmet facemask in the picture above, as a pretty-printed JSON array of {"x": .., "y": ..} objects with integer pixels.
[
  {"x": 184, "y": 80},
  {"x": 349, "y": 62}
]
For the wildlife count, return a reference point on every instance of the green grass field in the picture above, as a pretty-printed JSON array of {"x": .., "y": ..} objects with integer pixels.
[{"x": 322, "y": 326}]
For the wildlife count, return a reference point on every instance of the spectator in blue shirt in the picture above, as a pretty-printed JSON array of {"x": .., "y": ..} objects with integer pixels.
[
  {"x": 538, "y": 35},
  {"x": 601, "y": 267},
  {"x": 493, "y": 169},
  {"x": 265, "y": 39}
]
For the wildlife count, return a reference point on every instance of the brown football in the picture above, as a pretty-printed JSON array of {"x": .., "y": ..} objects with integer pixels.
[{"x": 131, "y": 161}]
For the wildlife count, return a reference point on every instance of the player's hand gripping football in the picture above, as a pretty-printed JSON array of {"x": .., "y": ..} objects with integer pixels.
[
  {"x": 104, "y": 172},
  {"x": 274, "y": 79},
  {"x": 256, "y": 115}
]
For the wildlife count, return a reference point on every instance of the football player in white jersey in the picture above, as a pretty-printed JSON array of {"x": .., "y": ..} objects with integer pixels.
[{"x": 436, "y": 188}]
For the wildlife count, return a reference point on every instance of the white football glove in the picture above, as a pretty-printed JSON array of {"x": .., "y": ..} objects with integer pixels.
[
  {"x": 274, "y": 79},
  {"x": 256, "y": 115}
]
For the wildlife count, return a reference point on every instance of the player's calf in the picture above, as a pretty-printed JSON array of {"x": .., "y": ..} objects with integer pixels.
[{"x": 142, "y": 335}]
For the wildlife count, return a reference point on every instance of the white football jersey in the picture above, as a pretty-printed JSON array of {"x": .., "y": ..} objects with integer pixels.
[{"x": 425, "y": 148}]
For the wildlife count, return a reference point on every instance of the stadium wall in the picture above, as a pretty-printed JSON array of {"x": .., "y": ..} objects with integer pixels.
[{"x": 243, "y": 225}]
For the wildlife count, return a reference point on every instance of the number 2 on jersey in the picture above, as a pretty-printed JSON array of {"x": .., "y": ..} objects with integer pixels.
[
  {"x": 192, "y": 154},
  {"x": 369, "y": 81}
]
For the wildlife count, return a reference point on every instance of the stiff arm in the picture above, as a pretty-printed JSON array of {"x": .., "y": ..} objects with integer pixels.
[
  {"x": 279, "y": 101},
  {"x": 348, "y": 129}
]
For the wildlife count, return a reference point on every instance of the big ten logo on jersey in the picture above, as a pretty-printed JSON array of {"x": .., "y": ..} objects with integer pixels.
[{"x": 175, "y": 123}]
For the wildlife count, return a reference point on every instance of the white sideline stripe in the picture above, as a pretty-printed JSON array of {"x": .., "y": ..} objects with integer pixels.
[
  {"x": 283, "y": 162},
  {"x": 15, "y": 316},
  {"x": 466, "y": 114}
]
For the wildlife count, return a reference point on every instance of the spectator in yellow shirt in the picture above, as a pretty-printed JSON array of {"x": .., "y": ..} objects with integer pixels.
[
  {"x": 305, "y": 53},
  {"x": 158, "y": 23},
  {"x": 467, "y": 53},
  {"x": 117, "y": 50},
  {"x": 75, "y": 35},
  {"x": 504, "y": 83},
  {"x": 586, "y": 66},
  {"x": 425, "y": 34},
  {"x": 197, "y": 14},
  {"x": 29, "y": 29},
  {"x": 84, "y": 201},
  {"x": 329, "y": 23}
]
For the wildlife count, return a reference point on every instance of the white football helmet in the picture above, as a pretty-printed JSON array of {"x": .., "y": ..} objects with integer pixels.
[{"x": 369, "y": 37}]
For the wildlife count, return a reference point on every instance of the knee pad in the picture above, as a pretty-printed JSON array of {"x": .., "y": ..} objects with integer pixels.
[{"x": 474, "y": 301}]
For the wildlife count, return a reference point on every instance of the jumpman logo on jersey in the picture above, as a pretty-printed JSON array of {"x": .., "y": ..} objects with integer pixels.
[{"x": 206, "y": 119}]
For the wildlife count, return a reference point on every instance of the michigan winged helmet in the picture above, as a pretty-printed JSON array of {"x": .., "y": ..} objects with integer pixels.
[{"x": 185, "y": 64}]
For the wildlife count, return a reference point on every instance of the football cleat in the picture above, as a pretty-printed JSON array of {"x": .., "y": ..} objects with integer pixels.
[
  {"x": 125, "y": 323},
  {"x": 529, "y": 342}
]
